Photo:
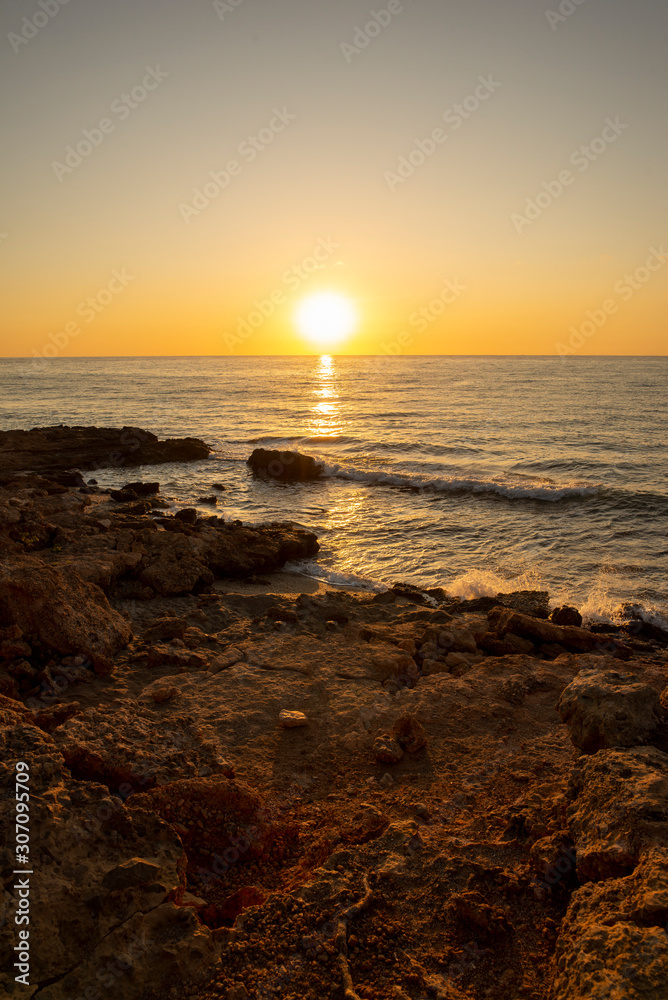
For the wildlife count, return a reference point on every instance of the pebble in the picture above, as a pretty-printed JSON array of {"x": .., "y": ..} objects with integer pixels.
[
  {"x": 386, "y": 781},
  {"x": 292, "y": 720}
]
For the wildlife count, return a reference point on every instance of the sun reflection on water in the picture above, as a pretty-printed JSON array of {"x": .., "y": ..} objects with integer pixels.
[{"x": 325, "y": 414}]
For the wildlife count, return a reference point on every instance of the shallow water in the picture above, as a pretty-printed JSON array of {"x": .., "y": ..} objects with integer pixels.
[{"x": 476, "y": 474}]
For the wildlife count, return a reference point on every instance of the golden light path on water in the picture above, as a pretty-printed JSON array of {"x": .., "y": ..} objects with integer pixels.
[{"x": 325, "y": 419}]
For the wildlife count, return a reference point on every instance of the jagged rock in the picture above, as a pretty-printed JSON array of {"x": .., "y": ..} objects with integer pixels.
[
  {"x": 58, "y": 610},
  {"x": 566, "y": 616},
  {"x": 605, "y": 709},
  {"x": 187, "y": 516},
  {"x": 284, "y": 465},
  {"x": 52, "y": 449},
  {"x": 142, "y": 489},
  {"x": 505, "y": 622},
  {"x": 613, "y": 944},
  {"x": 619, "y": 808}
]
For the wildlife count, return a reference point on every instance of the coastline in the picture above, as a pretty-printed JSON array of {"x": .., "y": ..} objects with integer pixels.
[{"x": 462, "y": 761}]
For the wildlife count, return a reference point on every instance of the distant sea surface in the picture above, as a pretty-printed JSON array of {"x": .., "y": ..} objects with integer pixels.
[{"x": 477, "y": 474}]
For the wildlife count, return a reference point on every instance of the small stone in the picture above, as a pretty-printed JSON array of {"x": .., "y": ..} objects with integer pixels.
[
  {"x": 386, "y": 750},
  {"x": 292, "y": 720},
  {"x": 422, "y": 811},
  {"x": 386, "y": 781}
]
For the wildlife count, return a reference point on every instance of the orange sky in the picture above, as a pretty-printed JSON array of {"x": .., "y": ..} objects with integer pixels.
[{"x": 476, "y": 179}]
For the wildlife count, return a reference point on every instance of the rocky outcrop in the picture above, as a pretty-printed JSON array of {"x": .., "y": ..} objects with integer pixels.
[
  {"x": 60, "y": 612},
  {"x": 507, "y": 625},
  {"x": 102, "y": 900},
  {"x": 284, "y": 465},
  {"x": 613, "y": 943},
  {"x": 51, "y": 449},
  {"x": 604, "y": 709},
  {"x": 618, "y": 809}
]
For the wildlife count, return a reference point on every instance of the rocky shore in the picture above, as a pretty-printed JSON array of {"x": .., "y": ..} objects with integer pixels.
[
  {"x": 245, "y": 784},
  {"x": 57, "y": 449}
]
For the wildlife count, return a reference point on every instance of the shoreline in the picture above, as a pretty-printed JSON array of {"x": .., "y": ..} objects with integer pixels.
[{"x": 227, "y": 755}]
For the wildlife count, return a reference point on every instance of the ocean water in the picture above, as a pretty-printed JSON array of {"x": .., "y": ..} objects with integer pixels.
[{"x": 477, "y": 474}]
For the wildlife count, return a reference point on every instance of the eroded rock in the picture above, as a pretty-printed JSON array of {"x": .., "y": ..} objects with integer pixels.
[{"x": 606, "y": 708}]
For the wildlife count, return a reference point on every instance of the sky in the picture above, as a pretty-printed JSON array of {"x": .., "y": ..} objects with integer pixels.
[{"x": 471, "y": 176}]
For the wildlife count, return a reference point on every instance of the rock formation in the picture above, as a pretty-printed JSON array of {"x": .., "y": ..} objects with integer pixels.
[
  {"x": 434, "y": 830},
  {"x": 51, "y": 449}
]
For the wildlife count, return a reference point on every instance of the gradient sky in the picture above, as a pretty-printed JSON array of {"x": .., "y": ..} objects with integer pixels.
[{"x": 189, "y": 280}]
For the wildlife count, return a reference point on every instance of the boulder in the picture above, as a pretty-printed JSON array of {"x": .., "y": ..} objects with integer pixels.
[
  {"x": 618, "y": 809},
  {"x": 61, "y": 612},
  {"x": 54, "y": 449},
  {"x": 284, "y": 465},
  {"x": 606, "y": 708}
]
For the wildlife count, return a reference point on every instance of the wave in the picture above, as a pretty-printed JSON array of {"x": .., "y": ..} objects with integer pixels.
[
  {"x": 301, "y": 439},
  {"x": 335, "y": 578},
  {"x": 544, "y": 490}
]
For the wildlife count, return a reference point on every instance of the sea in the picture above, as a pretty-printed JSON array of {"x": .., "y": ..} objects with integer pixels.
[{"x": 475, "y": 474}]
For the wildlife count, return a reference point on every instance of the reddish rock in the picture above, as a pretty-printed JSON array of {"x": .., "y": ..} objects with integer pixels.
[{"x": 61, "y": 612}]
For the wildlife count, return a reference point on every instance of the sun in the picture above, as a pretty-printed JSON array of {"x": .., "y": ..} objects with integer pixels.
[{"x": 326, "y": 319}]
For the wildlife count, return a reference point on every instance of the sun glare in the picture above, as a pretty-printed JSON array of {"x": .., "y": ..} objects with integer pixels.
[{"x": 326, "y": 319}]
